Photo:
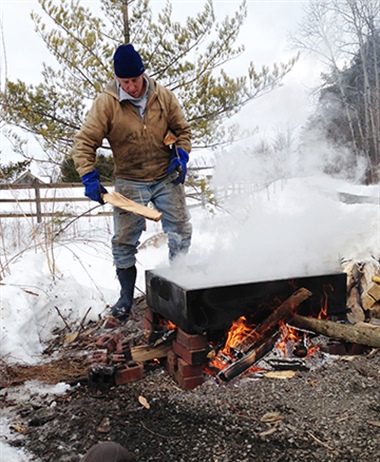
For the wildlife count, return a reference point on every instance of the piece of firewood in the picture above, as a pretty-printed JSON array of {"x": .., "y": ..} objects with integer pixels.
[
  {"x": 266, "y": 335},
  {"x": 118, "y": 200},
  {"x": 374, "y": 311},
  {"x": 144, "y": 353},
  {"x": 243, "y": 364},
  {"x": 356, "y": 313},
  {"x": 346, "y": 332},
  {"x": 270, "y": 323}
]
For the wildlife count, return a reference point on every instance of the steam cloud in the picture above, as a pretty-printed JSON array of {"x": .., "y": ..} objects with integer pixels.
[{"x": 280, "y": 216}]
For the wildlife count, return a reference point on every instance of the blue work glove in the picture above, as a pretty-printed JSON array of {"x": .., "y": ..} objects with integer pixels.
[
  {"x": 178, "y": 162},
  {"x": 92, "y": 186}
]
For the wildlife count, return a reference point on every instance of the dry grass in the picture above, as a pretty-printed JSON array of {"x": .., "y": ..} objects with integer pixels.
[{"x": 69, "y": 370}]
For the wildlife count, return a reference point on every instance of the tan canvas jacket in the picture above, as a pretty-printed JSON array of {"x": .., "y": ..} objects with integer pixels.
[{"x": 137, "y": 145}]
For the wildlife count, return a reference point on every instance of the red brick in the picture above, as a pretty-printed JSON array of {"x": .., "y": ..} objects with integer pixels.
[
  {"x": 191, "y": 341},
  {"x": 187, "y": 370},
  {"x": 129, "y": 372},
  {"x": 192, "y": 357}
]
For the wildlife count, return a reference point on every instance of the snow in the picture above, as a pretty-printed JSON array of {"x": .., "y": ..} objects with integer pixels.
[{"x": 285, "y": 228}]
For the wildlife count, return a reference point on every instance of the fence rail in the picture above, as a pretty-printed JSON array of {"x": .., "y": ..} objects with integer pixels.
[{"x": 37, "y": 201}]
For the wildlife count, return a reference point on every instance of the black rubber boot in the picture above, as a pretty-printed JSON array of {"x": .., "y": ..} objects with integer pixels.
[{"x": 127, "y": 279}]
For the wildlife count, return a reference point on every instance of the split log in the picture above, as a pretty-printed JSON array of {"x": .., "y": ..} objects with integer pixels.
[
  {"x": 266, "y": 335},
  {"x": 243, "y": 364},
  {"x": 118, "y": 200},
  {"x": 355, "y": 313},
  {"x": 270, "y": 323},
  {"x": 143, "y": 353},
  {"x": 348, "y": 333}
]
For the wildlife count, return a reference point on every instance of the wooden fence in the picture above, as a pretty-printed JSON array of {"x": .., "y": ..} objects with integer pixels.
[{"x": 34, "y": 198}]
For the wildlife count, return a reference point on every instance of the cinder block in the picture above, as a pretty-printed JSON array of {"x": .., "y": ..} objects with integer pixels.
[
  {"x": 98, "y": 357},
  {"x": 108, "y": 341},
  {"x": 123, "y": 347},
  {"x": 129, "y": 372},
  {"x": 191, "y": 341},
  {"x": 101, "y": 377},
  {"x": 117, "y": 358},
  {"x": 192, "y": 357}
]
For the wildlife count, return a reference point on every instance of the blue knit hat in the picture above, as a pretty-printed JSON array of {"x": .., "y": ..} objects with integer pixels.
[{"x": 127, "y": 62}]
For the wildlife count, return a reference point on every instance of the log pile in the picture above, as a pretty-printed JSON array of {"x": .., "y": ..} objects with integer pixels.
[{"x": 363, "y": 290}]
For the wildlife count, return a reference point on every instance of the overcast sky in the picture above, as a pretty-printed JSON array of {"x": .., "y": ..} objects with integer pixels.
[{"x": 265, "y": 36}]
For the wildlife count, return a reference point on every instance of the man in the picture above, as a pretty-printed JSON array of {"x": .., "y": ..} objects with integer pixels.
[{"x": 135, "y": 114}]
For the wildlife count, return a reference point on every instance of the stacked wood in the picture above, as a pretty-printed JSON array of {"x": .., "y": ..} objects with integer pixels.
[{"x": 363, "y": 290}]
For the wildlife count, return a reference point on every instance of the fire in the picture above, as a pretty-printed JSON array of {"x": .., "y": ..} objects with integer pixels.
[
  {"x": 171, "y": 325},
  {"x": 323, "y": 313},
  {"x": 288, "y": 338},
  {"x": 238, "y": 333}
]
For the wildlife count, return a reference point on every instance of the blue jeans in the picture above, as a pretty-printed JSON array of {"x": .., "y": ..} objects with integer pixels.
[{"x": 168, "y": 199}]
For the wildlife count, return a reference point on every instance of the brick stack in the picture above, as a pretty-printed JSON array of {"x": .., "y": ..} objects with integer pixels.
[
  {"x": 186, "y": 359},
  {"x": 112, "y": 364}
]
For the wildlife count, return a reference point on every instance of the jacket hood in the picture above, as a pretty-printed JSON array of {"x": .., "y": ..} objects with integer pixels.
[{"x": 111, "y": 88}]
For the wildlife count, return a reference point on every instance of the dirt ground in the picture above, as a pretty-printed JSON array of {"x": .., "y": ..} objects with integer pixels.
[{"x": 331, "y": 413}]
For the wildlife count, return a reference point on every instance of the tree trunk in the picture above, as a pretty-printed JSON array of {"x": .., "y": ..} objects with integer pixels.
[{"x": 127, "y": 35}]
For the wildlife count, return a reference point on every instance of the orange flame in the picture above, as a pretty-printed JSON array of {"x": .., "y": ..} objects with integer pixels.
[
  {"x": 238, "y": 332},
  {"x": 171, "y": 325},
  {"x": 289, "y": 334}
]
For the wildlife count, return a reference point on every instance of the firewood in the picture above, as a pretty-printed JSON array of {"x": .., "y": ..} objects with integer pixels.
[
  {"x": 243, "y": 364},
  {"x": 270, "y": 324},
  {"x": 367, "y": 325},
  {"x": 118, "y": 200},
  {"x": 356, "y": 313},
  {"x": 374, "y": 311},
  {"x": 346, "y": 332},
  {"x": 266, "y": 335},
  {"x": 144, "y": 353}
]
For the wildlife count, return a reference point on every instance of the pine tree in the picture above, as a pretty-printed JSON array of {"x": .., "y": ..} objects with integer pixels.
[{"x": 188, "y": 57}]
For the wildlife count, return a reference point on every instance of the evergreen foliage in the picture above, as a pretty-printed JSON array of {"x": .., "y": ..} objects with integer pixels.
[
  {"x": 187, "y": 57},
  {"x": 10, "y": 172}
]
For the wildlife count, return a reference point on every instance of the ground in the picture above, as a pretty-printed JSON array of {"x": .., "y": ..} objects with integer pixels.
[{"x": 331, "y": 413}]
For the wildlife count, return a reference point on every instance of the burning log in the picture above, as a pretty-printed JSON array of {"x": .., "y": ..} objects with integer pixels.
[
  {"x": 241, "y": 365},
  {"x": 266, "y": 335},
  {"x": 270, "y": 325},
  {"x": 348, "y": 333}
]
